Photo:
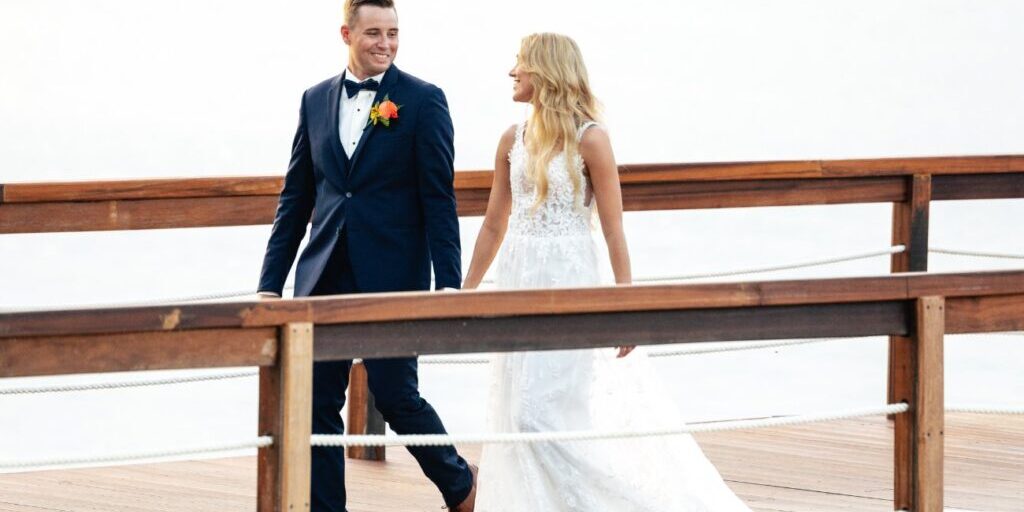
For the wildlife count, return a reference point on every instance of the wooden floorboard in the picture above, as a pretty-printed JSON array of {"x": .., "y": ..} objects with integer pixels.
[{"x": 840, "y": 466}]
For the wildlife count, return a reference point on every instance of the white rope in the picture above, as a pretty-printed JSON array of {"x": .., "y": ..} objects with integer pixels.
[
  {"x": 986, "y": 409},
  {"x": 732, "y": 347},
  {"x": 589, "y": 435},
  {"x": 977, "y": 254},
  {"x": 227, "y": 295},
  {"x": 453, "y": 360},
  {"x": 896, "y": 249},
  {"x": 127, "y": 384},
  {"x": 259, "y": 442}
]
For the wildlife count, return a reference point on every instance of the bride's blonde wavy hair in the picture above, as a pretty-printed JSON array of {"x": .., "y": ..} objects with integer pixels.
[{"x": 562, "y": 101}]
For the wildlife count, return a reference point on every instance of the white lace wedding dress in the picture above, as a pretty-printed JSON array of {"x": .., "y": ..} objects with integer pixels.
[{"x": 554, "y": 246}]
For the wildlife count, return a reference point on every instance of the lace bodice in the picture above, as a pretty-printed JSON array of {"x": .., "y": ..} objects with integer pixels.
[{"x": 562, "y": 213}]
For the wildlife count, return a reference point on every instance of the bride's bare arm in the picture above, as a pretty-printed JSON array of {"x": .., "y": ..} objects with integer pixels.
[
  {"x": 596, "y": 150},
  {"x": 499, "y": 205}
]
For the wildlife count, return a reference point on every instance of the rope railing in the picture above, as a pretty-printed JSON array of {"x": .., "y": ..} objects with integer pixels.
[
  {"x": 325, "y": 440},
  {"x": 987, "y": 409},
  {"x": 750, "y": 271},
  {"x": 427, "y": 360},
  {"x": 259, "y": 442},
  {"x": 424, "y": 360},
  {"x": 977, "y": 254},
  {"x": 594, "y": 435},
  {"x": 896, "y": 249},
  {"x": 127, "y": 384}
]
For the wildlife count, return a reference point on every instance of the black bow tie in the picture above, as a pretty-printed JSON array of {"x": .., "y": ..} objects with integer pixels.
[{"x": 353, "y": 88}]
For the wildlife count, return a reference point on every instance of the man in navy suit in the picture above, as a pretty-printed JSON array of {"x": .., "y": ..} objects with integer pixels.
[{"x": 372, "y": 163}]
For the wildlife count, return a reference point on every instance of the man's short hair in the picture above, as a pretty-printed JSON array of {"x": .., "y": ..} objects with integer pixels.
[{"x": 352, "y": 7}]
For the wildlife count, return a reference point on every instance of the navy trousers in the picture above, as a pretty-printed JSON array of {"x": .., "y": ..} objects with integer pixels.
[{"x": 395, "y": 386}]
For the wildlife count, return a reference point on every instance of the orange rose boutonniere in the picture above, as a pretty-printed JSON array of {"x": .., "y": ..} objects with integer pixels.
[{"x": 383, "y": 112}]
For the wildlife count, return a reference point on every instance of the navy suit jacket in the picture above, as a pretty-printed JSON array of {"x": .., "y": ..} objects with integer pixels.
[{"x": 394, "y": 197}]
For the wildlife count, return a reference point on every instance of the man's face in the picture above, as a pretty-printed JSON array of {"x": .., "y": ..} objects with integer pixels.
[{"x": 372, "y": 39}]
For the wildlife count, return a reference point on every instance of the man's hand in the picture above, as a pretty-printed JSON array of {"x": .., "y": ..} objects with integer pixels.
[{"x": 624, "y": 351}]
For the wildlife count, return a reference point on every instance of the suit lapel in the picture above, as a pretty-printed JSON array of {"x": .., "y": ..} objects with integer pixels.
[
  {"x": 386, "y": 84},
  {"x": 334, "y": 107}
]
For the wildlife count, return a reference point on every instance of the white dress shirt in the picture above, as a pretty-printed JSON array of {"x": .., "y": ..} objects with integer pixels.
[{"x": 354, "y": 112}]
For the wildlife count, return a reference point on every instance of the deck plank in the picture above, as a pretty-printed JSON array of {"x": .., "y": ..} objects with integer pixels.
[{"x": 841, "y": 466}]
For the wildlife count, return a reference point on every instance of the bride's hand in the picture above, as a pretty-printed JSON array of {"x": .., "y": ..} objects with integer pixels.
[{"x": 624, "y": 351}]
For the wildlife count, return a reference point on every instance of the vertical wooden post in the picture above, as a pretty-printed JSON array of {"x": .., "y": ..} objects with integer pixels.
[
  {"x": 286, "y": 412},
  {"x": 363, "y": 417},
  {"x": 919, "y": 434},
  {"x": 910, "y": 229}
]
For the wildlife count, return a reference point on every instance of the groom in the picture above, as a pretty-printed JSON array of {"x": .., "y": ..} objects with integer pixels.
[{"x": 372, "y": 162}]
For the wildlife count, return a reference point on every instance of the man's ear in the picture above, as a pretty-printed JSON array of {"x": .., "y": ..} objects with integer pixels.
[{"x": 346, "y": 34}]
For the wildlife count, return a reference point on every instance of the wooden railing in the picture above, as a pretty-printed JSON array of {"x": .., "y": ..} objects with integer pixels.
[
  {"x": 202, "y": 202},
  {"x": 910, "y": 184},
  {"x": 278, "y": 336}
]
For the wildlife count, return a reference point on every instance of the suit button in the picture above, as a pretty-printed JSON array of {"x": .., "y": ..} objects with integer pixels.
[{"x": 348, "y": 194}]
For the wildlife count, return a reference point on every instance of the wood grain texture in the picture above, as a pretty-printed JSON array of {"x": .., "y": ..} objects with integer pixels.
[
  {"x": 296, "y": 391},
  {"x": 921, "y": 165},
  {"x": 239, "y": 201},
  {"x": 902, "y": 387},
  {"x": 824, "y": 467},
  {"x": 221, "y": 187},
  {"x": 756, "y": 193},
  {"x": 909, "y": 229},
  {"x": 363, "y": 416},
  {"x": 210, "y": 348},
  {"x": 155, "y": 318},
  {"x": 505, "y": 334},
  {"x": 428, "y": 305},
  {"x": 136, "y": 214},
  {"x": 978, "y": 186},
  {"x": 910, "y": 226},
  {"x": 236, "y": 186},
  {"x": 929, "y": 406},
  {"x": 997, "y": 313},
  {"x": 268, "y": 458}
]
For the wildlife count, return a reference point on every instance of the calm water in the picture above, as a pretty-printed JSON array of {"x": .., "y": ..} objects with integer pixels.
[{"x": 117, "y": 89}]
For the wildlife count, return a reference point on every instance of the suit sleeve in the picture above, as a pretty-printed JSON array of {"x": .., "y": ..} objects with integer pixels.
[
  {"x": 435, "y": 159},
  {"x": 293, "y": 211}
]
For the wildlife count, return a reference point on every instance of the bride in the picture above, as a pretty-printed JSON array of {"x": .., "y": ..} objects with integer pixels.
[{"x": 550, "y": 174}]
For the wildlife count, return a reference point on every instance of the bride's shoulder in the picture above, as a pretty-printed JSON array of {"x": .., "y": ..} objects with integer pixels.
[
  {"x": 510, "y": 132},
  {"x": 508, "y": 138},
  {"x": 593, "y": 135}
]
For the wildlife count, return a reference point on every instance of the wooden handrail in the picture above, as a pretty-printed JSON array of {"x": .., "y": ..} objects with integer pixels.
[
  {"x": 403, "y": 324},
  {"x": 402, "y": 306},
  {"x": 237, "y": 201},
  {"x": 242, "y": 186}
]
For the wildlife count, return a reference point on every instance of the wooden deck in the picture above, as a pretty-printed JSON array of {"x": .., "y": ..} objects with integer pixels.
[{"x": 843, "y": 465}]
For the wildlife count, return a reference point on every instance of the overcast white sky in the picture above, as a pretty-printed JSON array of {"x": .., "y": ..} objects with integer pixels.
[{"x": 123, "y": 88}]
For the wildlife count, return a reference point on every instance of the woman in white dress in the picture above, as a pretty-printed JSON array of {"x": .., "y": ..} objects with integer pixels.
[{"x": 550, "y": 174}]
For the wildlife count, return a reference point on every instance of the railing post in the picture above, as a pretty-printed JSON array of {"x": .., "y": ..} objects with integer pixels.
[
  {"x": 910, "y": 229},
  {"x": 919, "y": 433},
  {"x": 363, "y": 416},
  {"x": 285, "y": 412}
]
